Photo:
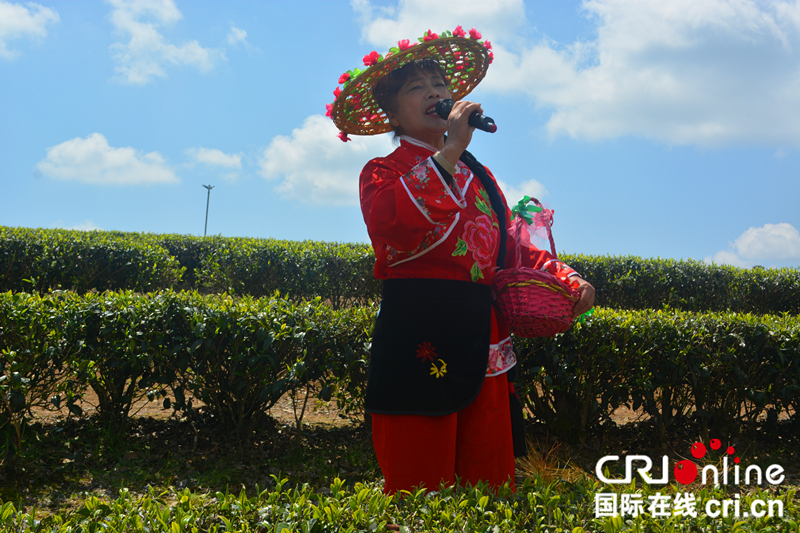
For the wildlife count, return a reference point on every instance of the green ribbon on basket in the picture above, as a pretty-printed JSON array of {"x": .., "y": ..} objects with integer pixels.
[
  {"x": 582, "y": 318},
  {"x": 524, "y": 210}
]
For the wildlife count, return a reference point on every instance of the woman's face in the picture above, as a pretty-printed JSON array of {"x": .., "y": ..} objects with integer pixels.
[{"x": 416, "y": 107}]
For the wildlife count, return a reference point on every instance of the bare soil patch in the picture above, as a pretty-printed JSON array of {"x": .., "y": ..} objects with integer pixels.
[{"x": 285, "y": 411}]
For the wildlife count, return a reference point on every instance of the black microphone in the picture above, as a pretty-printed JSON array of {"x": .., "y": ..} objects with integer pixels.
[{"x": 476, "y": 120}]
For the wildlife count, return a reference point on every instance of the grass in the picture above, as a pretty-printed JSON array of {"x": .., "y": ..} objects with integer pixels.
[
  {"x": 76, "y": 457},
  {"x": 153, "y": 474}
]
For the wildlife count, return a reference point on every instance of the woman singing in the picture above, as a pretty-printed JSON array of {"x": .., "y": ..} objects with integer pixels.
[{"x": 438, "y": 385}]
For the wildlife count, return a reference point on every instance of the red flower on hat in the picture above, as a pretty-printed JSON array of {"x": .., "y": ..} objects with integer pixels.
[
  {"x": 491, "y": 57},
  {"x": 405, "y": 44},
  {"x": 346, "y": 76},
  {"x": 371, "y": 58},
  {"x": 429, "y": 36},
  {"x": 487, "y": 44},
  {"x": 459, "y": 31},
  {"x": 473, "y": 33},
  {"x": 343, "y": 136},
  {"x": 336, "y": 92},
  {"x": 328, "y": 110}
]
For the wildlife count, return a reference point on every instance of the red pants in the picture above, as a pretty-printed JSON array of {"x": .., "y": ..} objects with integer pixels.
[{"x": 474, "y": 444}]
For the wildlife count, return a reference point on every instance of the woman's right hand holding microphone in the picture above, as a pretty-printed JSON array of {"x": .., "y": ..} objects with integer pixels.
[{"x": 459, "y": 132}]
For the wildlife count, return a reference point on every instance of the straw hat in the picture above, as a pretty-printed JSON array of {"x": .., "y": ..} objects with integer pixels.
[{"x": 462, "y": 56}]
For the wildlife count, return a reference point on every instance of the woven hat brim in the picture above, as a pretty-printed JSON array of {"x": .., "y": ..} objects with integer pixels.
[{"x": 465, "y": 61}]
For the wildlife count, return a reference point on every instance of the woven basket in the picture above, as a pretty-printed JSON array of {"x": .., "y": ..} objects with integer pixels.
[{"x": 533, "y": 303}]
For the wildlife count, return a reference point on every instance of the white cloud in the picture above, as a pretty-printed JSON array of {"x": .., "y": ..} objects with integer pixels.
[
  {"x": 92, "y": 160},
  {"x": 314, "y": 166},
  {"x": 716, "y": 72},
  {"x": 711, "y": 73},
  {"x": 383, "y": 27},
  {"x": 769, "y": 245},
  {"x": 514, "y": 193},
  {"x": 214, "y": 157},
  {"x": 729, "y": 258},
  {"x": 217, "y": 158},
  {"x": 774, "y": 242},
  {"x": 18, "y": 21},
  {"x": 147, "y": 52},
  {"x": 86, "y": 225},
  {"x": 238, "y": 37}
]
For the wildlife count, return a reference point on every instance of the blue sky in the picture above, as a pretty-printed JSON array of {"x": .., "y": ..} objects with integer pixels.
[{"x": 656, "y": 129}]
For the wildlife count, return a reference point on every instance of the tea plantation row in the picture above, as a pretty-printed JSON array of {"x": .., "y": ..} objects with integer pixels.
[
  {"x": 341, "y": 274},
  {"x": 240, "y": 355}
]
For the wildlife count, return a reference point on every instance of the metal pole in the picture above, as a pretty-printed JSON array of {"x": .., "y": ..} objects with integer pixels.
[{"x": 208, "y": 200}]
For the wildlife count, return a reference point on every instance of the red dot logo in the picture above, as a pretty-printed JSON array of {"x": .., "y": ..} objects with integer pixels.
[
  {"x": 716, "y": 444},
  {"x": 685, "y": 472},
  {"x": 736, "y": 460},
  {"x": 731, "y": 451},
  {"x": 698, "y": 450}
]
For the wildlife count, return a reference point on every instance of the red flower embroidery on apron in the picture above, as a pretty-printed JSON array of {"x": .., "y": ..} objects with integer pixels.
[{"x": 426, "y": 351}]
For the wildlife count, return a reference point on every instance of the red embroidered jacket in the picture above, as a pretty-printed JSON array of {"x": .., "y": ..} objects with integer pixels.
[{"x": 422, "y": 228}]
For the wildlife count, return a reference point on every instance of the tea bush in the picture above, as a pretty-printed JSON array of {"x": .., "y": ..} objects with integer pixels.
[
  {"x": 628, "y": 282},
  {"x": 240, "y": 355},
  {"x": 719, "y": 370},
  {"x": 237, "y": 355},
  {"x": 46, "y": 259},
  {"x": 342, "y": 274}
]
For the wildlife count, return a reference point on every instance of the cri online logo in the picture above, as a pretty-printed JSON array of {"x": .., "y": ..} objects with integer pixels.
[{"x": 685, "y": 472}]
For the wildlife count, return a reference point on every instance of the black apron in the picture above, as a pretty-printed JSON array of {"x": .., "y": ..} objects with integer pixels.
[{"x": 430, "y": 347}]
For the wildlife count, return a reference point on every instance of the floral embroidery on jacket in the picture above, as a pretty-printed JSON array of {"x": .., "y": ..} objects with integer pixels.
[
  {"x": 421, "y": 203},
  {"x": 480, "y": 237},
  {"x": 463, "y": 173},
  {"x": 483, "y": 202},
  {"x": 418, "y": 177},
  {"x": 393, "y": 255}
]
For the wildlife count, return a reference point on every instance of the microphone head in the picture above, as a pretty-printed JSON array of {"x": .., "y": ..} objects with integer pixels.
[{"x": 443, "y": 107}]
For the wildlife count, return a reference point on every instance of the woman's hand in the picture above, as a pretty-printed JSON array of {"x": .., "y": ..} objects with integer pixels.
[
  {"x": 459, "y": 132},
  {"x": 586, "y": 302}
]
